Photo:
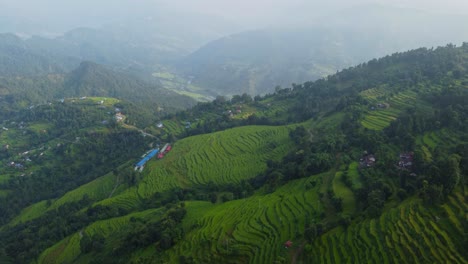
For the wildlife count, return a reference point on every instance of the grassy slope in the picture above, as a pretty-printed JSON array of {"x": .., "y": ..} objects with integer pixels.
[
  {"x": 254, "y": 229},
  {"x": 97, "y": 189},
  {"x": 223, "y": 157}
]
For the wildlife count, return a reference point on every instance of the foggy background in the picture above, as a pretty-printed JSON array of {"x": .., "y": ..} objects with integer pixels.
[
  {"x": 221, "y": 47},
  {"x": 54, "y": 17}
]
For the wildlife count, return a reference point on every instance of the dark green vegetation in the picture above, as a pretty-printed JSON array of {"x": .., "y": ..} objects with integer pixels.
[
  {"x": 248, "y": 174},
  {"x": 143, "y": 101}
]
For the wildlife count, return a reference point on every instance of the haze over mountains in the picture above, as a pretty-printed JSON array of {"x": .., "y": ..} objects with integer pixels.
[
  {"x": 255, "y": 61},
  {"x": 218, "y": 57}
]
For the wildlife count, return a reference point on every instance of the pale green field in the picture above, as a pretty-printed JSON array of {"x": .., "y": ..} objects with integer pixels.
[{"x": 341, "y": 191}]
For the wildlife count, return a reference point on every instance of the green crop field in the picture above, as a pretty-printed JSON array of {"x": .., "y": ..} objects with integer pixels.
[
  {"x": 219, "y": 158},
  {"x": 341, "y": 191},
  {"x": 252, "y": 229},
  {"x": 430, "y": 140},
  {"x": 353, "y": 174},
  {"x": 275, "y": 109},
  {"x": 379, "y": 118},
  {"x": 409, "y": 233},
  {"x": 173, "y": 127}
]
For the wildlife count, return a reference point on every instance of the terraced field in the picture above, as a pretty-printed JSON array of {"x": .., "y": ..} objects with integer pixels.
[
  {"x": 252, "y": 229},
  {"x": 380, "y": 118},
  {"x": 218, "y": 158},
  {"x": 409, "y": 233},
  {"x": 275, "y": 109},
  {"x": 222, "y": 157},
  {"x": 430, "y": 140},
  {"x": 173, "y": 127}
]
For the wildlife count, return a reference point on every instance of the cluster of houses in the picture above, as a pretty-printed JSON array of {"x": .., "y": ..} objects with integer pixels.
[
  {"x": 405, "y": 162},
  {"x": 234, "y": 112}
]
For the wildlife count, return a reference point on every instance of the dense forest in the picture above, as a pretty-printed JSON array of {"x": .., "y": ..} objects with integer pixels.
[{"x": 277, "y": 178}]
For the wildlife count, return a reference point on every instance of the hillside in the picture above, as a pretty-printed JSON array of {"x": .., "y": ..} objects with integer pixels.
[
  {"x": 91, "y": 79},
  {"x": 148, "y": 100},
  {"x": 16, "y": 58},
  {"x": 367, "y": 165}
]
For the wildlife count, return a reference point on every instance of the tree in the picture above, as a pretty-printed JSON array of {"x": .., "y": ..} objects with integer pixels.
[
  {"x": 432, "y": 194},
  {"x": 453, "y": 173},
  {"x": 376, "y": 201}
]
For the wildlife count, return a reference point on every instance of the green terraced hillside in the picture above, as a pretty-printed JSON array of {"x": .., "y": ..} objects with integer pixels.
[
  {"x": 379, "y": 118},
  {"x": 409, "y": 233},
  {"x": 219, "y": 158}
]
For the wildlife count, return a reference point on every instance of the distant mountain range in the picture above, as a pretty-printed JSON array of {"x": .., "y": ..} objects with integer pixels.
[
  {"x": 256, "y": 62},
  {"x": 253, "y": 62}
]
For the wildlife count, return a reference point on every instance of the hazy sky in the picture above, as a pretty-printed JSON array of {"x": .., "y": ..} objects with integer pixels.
[{"x": 65, "y": 14}]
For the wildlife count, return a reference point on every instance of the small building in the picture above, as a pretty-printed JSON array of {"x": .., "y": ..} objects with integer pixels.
[
  {"x": 119, "y": 117},
  {"x": 288, "y": 244},
  {"x": 406, "y": 160},
  {"x": 367, "y": 161}
]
